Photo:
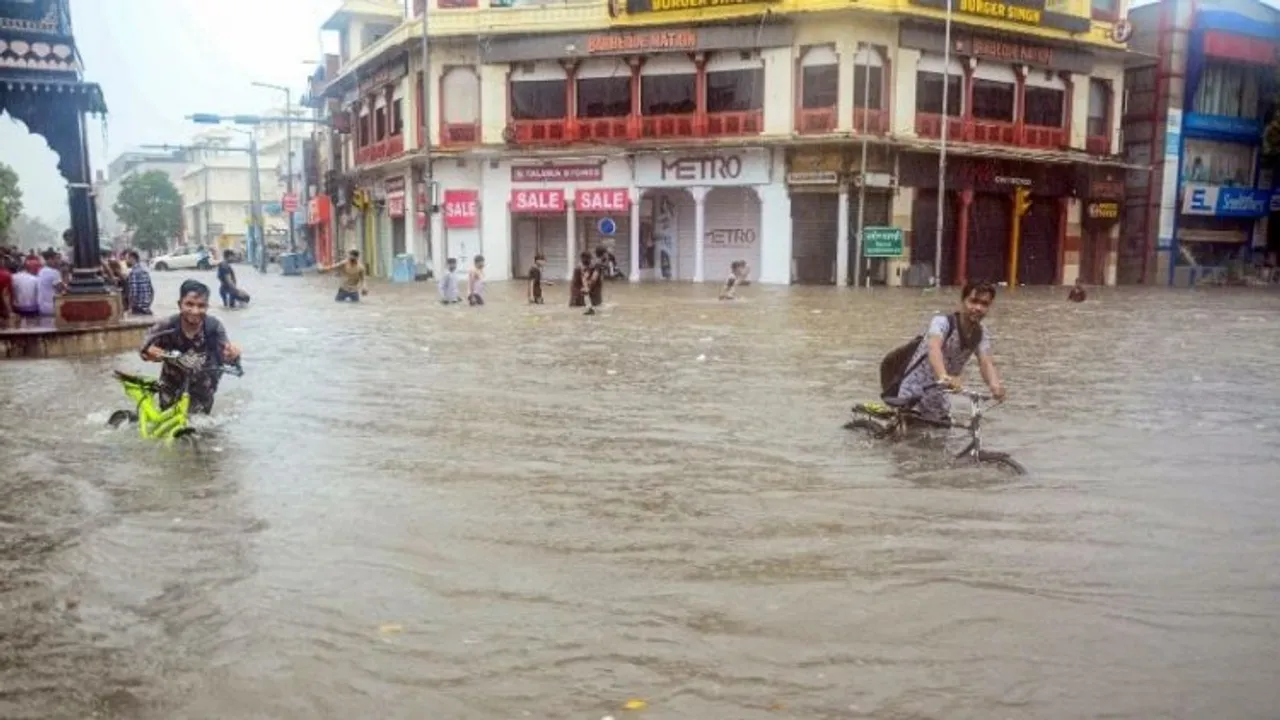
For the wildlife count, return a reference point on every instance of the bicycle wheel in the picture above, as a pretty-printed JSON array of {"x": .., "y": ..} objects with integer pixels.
[
  {"x": 1002, "y": 461},
  {"x": 186, "y": 438},
  {"x": 121, "y": 417}
]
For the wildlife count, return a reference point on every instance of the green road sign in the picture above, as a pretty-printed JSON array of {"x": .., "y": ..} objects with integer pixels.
[{"x": 882, "y": 242}]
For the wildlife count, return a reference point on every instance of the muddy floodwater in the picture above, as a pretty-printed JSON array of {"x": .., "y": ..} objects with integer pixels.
[{"x": 404, "y": 510}]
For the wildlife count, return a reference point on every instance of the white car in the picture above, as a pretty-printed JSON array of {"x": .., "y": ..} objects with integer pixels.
[{"x": 183, "y": 258}]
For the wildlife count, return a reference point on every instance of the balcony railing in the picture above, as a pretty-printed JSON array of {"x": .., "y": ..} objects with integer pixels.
[
  {"x": 1098, "y": 145},
  {"x": 816, "y": 120},
  {"x": 1048, "y": 138},
  {"x": 929, "y": 125},
  {"x": 541, "y": 131},
  {"x": 459, "y": 133},
  {"x": 603, "y": 129},
  {"x": 873, "y": 121},
  {"x": 669, "y": 126},
  {"x": 992, "y": 132},
  {"x": 382, "y": 150},
  {"x": 749, "y": 122}
]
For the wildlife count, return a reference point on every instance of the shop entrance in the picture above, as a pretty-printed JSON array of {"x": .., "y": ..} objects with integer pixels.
[
  {"x": 924, "y": 223},
  {"x": 879, "y": 205},
  {"x": 1038, "y": 250},
  {"x": 815, "y": 229},
  {"x": 990, "y": 218},
  {"x": 535, "y": 234}
]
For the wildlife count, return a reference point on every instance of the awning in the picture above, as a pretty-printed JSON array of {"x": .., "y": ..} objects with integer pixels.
[{"x": 83, "y": 96}]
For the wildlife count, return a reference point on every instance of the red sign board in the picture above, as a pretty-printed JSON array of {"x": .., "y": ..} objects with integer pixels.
[
  {"x": 542, "y": 200},
  {"x": 395, "y": 205},
  {"x": 556, "y": 173},
  {"x": 602, "y": 200},
  {"x": 461, "y": 208},
  {"x": 289, "y": 203}
]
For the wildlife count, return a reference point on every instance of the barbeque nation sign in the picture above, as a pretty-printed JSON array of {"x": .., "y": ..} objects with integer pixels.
[
  {"x": 525, "y": 48},
  {"x": 647, "y": 6},
  {"x": 1000, "y": 49}
]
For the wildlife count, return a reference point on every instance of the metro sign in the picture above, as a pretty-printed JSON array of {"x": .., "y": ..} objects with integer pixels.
[
  {"x": 602, "y": 200},
  {"x": 537, "y": 201}
]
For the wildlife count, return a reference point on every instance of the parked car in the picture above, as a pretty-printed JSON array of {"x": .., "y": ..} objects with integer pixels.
[{"x": 183, "y": 258}]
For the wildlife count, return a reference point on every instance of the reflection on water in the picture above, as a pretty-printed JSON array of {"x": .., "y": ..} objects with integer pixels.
[{"x": 560, "y": 513}]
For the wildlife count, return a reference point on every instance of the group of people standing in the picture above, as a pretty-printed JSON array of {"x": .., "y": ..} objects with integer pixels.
[{"x": 29, "y": 284}]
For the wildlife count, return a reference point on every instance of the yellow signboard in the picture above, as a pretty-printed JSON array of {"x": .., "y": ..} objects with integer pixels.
[{"x": 1002, "y": 11}]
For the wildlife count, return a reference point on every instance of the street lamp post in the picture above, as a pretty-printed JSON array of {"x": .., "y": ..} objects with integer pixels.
[
  {"x": 288, "y": 140},
  {"x": 427, "y": 175},
  {"x": 942, "y": 150}
]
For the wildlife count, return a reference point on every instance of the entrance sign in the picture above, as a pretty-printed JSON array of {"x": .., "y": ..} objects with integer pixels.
[
  {"x": 882, "y": 242},
  {"x": 461, "y": 208},
  {"x": 537, "y": 201},
  {"x": 602, "y": 200}
]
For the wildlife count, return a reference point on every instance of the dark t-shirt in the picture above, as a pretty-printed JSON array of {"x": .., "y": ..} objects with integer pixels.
[
  {"x": 535, "y": 278},
  {"x": 226, "y": 274},
  {"x": 202, "y": 351}
]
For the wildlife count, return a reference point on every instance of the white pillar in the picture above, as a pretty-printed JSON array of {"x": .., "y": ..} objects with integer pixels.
[
  {"x": 699, "y": 231},
  {"x": 842, "y": 238},
  {"x": 635, "y": 234},
  {"x": 571, "y": 225}
]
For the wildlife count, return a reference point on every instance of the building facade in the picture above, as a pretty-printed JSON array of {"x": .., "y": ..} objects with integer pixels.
[
  {"x": 684, "y": 139},
  {"x": 1196, "y": 113},
  {"x": 216, "y": 191}
]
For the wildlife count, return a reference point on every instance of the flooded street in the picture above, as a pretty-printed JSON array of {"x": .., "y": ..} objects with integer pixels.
[{"x": 411, "y": 511}]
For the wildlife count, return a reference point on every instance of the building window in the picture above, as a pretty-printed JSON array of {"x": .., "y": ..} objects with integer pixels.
[
  {"x": 819, "y": 78},
  {"x": 538, "y": 92},
  {"x": 735, "y": 90},
  {"x": 1230, "y": 90},
  {"x": 1046, "y": 97},
  {"x": 363, "y": 136},
  {"x": 397, "y": 118},
  {"x": 1105, "y": 9},
  {"x": 868, "y": 79},
  {"x": 1099, "y": 100},
  {"x": 929, "y": 82},
  {"x": 460, "y": 103},
  {"x": 604, "y": 89},
  {"x": 380, "y": 123},
  {"x": 668, "y": 86},
  {"x": 1217, "y": 163},
  {"x": 994, "y": 90}
]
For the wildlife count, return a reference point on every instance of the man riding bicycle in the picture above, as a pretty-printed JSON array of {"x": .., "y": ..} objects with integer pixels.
[
  {"x": 202, "y": 344},
  {"x": 945, "y": 348}
]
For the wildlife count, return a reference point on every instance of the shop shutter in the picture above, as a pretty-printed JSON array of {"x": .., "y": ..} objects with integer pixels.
[
  {"x": 525, "y": 243},
  {"x": 815, "y": 229},
  {"x": 619, "y": 243},
  {"x": 733, "y": 232},
  {"x": 989, "y": 219},
  {"x": 1037, "y": 254},
  {"x": 552, "y": 236},
  {"x": 924, "y": 223},
  {"x": 879, "y": 208}
]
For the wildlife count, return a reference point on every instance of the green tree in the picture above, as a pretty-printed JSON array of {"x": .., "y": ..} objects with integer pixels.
[
  {"x": 150, "y": 206},
  {"x": 10, "y": 199},
  {"x": 32, "y": 233}
]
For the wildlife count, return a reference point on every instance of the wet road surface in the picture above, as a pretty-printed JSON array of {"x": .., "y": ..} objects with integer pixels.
[{"x": 410, "y": 511}]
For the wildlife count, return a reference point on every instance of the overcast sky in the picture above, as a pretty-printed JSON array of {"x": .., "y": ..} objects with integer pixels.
[{"x": 159, "y": 60}]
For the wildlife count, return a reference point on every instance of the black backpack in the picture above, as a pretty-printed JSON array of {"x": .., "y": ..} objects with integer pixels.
[{"x": 897, "y": 365}]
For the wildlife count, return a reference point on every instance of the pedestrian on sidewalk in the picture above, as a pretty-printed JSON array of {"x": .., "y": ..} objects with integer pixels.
[{"x": 140, "y": 293}]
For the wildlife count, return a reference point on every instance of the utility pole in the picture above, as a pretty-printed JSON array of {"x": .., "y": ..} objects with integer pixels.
[
  {"x": 288, "y": 135},
  {"x": 942, "y": 151},
  {"x": 428, "y": 182},
  {"x": 862, "y": 171}
]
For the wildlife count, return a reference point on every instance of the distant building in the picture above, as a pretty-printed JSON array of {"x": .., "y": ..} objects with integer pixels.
[
  {"x": 126, "y": 165},
  {"x": 217, "y": 191},
  {"x": 1196, "y": 113}
]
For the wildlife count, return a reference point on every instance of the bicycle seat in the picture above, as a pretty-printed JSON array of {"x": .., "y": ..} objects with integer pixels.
[{"x": 898, "y": 403}]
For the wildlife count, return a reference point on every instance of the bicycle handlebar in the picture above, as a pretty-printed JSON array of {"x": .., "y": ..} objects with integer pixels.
[
  {"x": 973, "y": 396},
  {"x": 232, "y": 368}
]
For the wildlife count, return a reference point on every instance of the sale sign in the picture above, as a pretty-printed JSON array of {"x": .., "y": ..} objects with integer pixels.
[
  {"x": 602, "y": 200},
  {"x": 461, "y": 208},
  {"x": 537, "y": 201}
]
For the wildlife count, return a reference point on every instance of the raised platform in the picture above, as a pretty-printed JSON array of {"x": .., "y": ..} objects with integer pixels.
[{"x": 45, "y": 340}]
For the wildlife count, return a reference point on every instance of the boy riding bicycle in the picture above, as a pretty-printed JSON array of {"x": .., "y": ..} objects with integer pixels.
[{"x": 199, "y": 339}]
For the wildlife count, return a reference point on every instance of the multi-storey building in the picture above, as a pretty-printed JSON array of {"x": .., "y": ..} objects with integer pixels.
[
  {"x": 216, "y": 191},
  {"x": 1196, "y": 113},
  {"x": 127, "y": 165},
  {"x": 685, "y": 135}
]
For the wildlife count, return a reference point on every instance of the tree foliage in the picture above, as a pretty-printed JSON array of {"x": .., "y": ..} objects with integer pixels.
[
  {"x": 32, "y": 233},
  {"x": 151, "y": 208},
  {"x": 10, "y": 199}
]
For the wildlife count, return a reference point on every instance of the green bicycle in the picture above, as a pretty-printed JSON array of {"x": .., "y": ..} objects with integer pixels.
[{"x": 156, "y": 422}]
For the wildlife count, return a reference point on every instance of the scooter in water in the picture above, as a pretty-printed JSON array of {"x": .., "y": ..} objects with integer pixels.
[{"x": 155, "y": 422}]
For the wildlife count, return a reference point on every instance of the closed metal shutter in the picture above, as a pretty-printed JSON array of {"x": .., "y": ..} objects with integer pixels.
[
  {"x": 544, "y": 234},
  {"x": 924, "y": 223},
  {"x": 1038, "y": 251},
  {"x": 879, "y": 205},
  {"x": 398, "y": 243},
  {"x": 989, "y": 219},
  {"x": 619, "y": 243},
  {"x": 733, "y": 232},
  {"x": 815, "y": 229},
  {"x": 524, "y": 241}
]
